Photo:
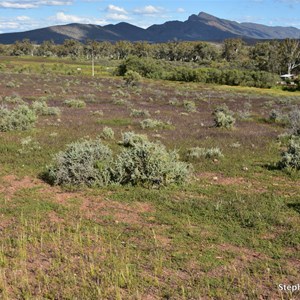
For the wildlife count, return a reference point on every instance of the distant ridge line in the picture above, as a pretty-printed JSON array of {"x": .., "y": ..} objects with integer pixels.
[{"x": 201, "y": 27}]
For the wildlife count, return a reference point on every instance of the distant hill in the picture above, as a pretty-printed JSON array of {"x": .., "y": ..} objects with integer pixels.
[{"x": 202, "y": 27}]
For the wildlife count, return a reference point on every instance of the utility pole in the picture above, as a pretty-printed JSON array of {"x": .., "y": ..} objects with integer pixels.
[{"x": 93, "y": 63}]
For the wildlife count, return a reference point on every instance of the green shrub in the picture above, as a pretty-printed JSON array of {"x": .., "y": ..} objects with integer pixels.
[
  {"x": 139, "y": 113},
  {"x": 98, "y": 113},
  {"x": 91, "y": 163},
  {"x": 294, "y": 122},
  {"x": 174, "y": 102},
  {"x": 159, "y": 69},
  {"x": 82, "y": 163},
  {"x": 41, "y": 108},
  {"x": 223, "y": 117},
  {"x": 129, "y": 139},
  {"x": 29, "y": 145},
  {"x": 277, "y": 116},
  {"x": 14, "y": 99},
  {"x": 246, "y": 113},
  {"x": 122, "y": 102},
  {"x": 154, "y": 124},
  {"x": 147, "y": 163},
  {"x": 189, "y": 106},
  {"x": 291, "y": 157},
  {"x": 107, "y": 133},
  {"x": 146, "y": 67},
  {"x": 11, "y": 84},
  {"x": 196, "y": 153},
  {"x": 132, "y": 78},
  {"x": 20, "y": 118},
  {"x": 74, "y": 103}
]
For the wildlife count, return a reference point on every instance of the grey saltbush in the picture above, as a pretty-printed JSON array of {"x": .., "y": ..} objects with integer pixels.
[
  {"x": 291, "y": 157},
  {"x": 107, "y": 133},
  {"x": 85, "y": 162},
  {"x": 294, "y": 122},
  {"x": 147, "y": 163},
  {"x": 154, "y": 124},
  {"x": 20, "y": 118},
  {"x": 277, "y": 116},
  {"x": 28, "y": 145},
  {"x": 189, "y": 106},
  {"x": 42, "y": 108},
  {"x": 139, "y": 113},
  {"x": 11, "y": 84},
  {"x": 15, "y": 99},
  {"x": 132, "y": 78},
  {"x": 140, "y": 162},
  {"x": 223, "y": 117},
  {"x": 74, "y": 103},
  {"x": 130, "y": 139},
  {"x": 197, "y": 152}
]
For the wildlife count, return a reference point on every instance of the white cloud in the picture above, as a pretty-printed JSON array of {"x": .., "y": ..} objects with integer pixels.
[
  {"x": 17, "y": 5},
  {"x": 18, "y": 23},
  {"x": 23, "y": 18},
  {"x": 9, "y": 25},
  {"x": 116, "y": 9},
  {"x": 180, "y": 10},
  {"x": 117, "y": 17},
  {"x": 55, "y": 3},
  {"x": 62, "y": 17},
  {"x": 27, "y": 4},
  {"x": 148, "y": 10}
]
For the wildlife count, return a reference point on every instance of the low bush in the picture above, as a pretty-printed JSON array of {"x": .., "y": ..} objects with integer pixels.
[
  {"x": 11, "y": 84},
  {"x": 122, "y": 102},
  {"x": 82, "y": 163},
  {"x": 291, "y": 157},
  {"x": 20, "y": 118},
  {"x": 245, "y": 113},
  {"x": 129, "y": 139},
  {"x": 223, "y": 117},
  {"x": 146, "y": 67},
  {"x": 197, "y": 152},
  {"x": 142, "y": 162},
  {"x": 74, "y": 103},
  {"x": 189, "y": 106},
  {"x": 132, "y": 78},
  {"x": 29, "y": 145},
  {"x": 294, "y": 122},
  {"x": 41, "y": 108},
  {"x": 277, "y": 116},
  {"x": 107, "y": 133},
  {"x": 14, "y": 99},
  {"x": 147, "y": 163},
  {"x": 154, "y": 124},
  {"x": 139, "y": 113}
]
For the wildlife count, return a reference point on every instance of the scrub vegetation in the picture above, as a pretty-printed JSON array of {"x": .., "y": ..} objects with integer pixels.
[{"x": 189, "y": 191}]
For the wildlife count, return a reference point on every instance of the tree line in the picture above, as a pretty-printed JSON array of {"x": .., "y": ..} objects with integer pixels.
[{"x": 278, "y": 57}]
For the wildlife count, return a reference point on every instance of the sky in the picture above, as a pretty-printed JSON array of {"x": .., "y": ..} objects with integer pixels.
[{"x": 21, "y": 15}]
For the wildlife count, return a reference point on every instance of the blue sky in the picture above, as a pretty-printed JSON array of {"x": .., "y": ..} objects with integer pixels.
[{"x": 20, "y": 15}]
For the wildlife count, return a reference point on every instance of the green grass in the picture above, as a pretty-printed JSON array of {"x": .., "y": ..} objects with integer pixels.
[{"x": 115, "y": 122}]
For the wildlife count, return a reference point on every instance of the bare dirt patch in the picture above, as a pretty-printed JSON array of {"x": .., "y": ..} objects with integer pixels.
[
  {"x": 244, "y": 184},
  {"x": 90, "y": 207},
  {"x": 243, "y": 256},
  {"x": 11, "y": 184},
  {"x": 95, "y": 208}
]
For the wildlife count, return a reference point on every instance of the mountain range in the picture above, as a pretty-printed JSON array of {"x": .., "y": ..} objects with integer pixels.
[{"x": 201, "y": 27}]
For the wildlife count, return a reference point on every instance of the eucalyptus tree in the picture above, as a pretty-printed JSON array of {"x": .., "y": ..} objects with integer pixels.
[
  {"x": 233, "y": 49},
  {"x": 290, "y": 52}
]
